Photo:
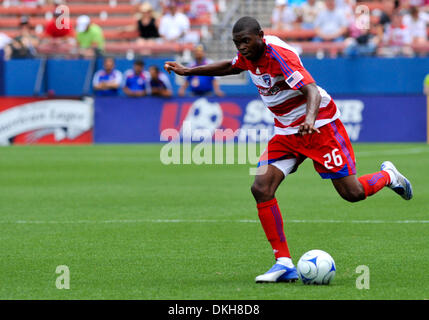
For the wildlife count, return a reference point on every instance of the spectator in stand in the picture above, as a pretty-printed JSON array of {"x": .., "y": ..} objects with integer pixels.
[
  {"x": 365, "y": 43},
  {"x": 59, "y": 28},
  {"x": 136, "y": 82},
  {"x": 384, "y": 16},
  {"x": 199, "y": 8},
  {"x": 330, "y": 24},
  {"x": 5, "y": 40},
  {"x": 24, "y": 45},
  {"x": 309, "y": 12},
  {"x": 174, "y": 25},
  {"x": 106, "y": 82},
  {"x": 159, "y": 83},
  {"x": 146, "y": 25},
  {"x": 347, "y": 9},
  {"x": 346, "y": 6},
  {"x": 156, "y": 5},
  {"x": 182, "y": 5},
  {"x": 397, "y": 39},
  {"x": 89, "y": 37},
  {"x": 415, "y": 22},
  {"x": 200, "y": 85},
  {"x": 283, "y": 17},
  {"x": 417, "y": 3}
]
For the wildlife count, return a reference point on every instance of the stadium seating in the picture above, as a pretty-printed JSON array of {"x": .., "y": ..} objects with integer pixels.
[
  {"x": 296, "y": 34},
  {"x": 75, "y": 9},
  {"x": 110, "y": 15}
]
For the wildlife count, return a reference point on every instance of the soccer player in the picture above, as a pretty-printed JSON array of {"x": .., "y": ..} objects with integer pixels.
[
  {"x": 106, "y": 82},
  {"x": 200, "y": 85},
  {"x": 159, "y": 83},
  {"x": 136, "y": 80},
  {"x": 306, "y": 123}
]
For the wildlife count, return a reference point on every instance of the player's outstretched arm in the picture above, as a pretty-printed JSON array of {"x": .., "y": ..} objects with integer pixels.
[{"x": 222, "y": 68}]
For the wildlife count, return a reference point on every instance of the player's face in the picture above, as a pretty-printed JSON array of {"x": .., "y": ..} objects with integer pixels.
[
  {"x": 199, "y": 54},
  {"x": 138, "y": 68},
  {"x": 109, "y": 64},
  {"x": 250, "y": 45},
  {"x": 153, "y": 73}
]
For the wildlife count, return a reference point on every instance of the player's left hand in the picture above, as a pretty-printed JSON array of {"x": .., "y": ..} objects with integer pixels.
[
  {"x": 175, "y": 67},
  {"x": 307, "y": 128}
]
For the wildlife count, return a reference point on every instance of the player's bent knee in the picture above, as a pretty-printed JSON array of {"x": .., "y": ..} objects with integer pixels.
[{"x": 261, "y": 193}]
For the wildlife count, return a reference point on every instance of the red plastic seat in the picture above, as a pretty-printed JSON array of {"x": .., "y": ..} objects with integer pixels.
[
  {"x": 75, "y": 9},
  {"x": 297, "y": 34}
]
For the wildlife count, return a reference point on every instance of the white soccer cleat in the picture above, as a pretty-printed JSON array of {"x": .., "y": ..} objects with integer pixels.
[
  {"x": 398, "y": 183},
  {"x": 278, "y": 273}
]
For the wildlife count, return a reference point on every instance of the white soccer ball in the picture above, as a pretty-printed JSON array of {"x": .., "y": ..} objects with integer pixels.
[
  {"x": 204, "y": 117},
  {"x": 316, "y": 267}
]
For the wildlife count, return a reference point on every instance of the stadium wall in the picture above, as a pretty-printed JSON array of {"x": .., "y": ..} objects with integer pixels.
[
  {"x": 363, "y": 76},
  {"x": 367, "y": 119},
  {"x": 123, "y": 120},
  {"x": 389, "y": 91}
]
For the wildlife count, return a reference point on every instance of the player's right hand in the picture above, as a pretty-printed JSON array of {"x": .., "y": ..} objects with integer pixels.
[{"x": 175, "y": 67}]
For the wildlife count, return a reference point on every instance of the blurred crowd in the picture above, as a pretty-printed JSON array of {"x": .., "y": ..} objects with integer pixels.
[
  {"x": 386, "y": 28},
  {"x": 153, "y": 22},
  {"x": 378, "y": 27}
]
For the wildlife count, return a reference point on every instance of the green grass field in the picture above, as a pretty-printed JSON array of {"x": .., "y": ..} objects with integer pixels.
[{"x": 129, "y": 227}]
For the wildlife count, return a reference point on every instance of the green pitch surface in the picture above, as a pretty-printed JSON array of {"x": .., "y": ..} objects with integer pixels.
[{"x": 129, "y": 227}]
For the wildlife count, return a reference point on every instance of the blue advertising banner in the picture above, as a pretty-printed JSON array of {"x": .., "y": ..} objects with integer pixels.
[{"x": 136, "y": 120}]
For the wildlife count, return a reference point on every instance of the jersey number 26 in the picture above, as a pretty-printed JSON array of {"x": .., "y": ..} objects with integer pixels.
[{"x": 333, "y": 156}]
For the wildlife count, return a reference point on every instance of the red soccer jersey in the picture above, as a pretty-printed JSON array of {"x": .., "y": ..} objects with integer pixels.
[
  {"x": 63, "y": 29},
  {"x": 278, "y": 75}
]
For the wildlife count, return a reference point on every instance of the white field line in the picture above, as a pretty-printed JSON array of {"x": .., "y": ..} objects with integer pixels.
[{"x": 131, "y": 221}]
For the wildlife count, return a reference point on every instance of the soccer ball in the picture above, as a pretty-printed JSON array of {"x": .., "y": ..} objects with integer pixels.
[
  {"x": 204, "y": 117},
  {"x": 316, "y": 267}
]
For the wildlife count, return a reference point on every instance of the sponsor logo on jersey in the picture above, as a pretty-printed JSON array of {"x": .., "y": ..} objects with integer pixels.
[{"x": 267, "y": 79}]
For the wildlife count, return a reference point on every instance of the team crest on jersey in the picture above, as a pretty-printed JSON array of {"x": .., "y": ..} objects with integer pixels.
[{"x": 267, "y": 79}]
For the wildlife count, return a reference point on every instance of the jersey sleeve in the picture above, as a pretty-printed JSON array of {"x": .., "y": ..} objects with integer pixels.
[
  {"x": 126, "y": 78},
  {"x": 96, "y": 78},
  {"x": 294, "y": 72},
  {"x": 165, "y": 80},
  {"x": 239, "y": 62},
  {"x": 117, "y": 77}
]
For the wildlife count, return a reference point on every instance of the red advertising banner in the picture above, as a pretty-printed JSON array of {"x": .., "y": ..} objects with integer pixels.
[{"x": 45, "y": 121}]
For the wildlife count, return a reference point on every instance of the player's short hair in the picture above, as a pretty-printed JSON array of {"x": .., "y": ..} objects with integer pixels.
[
  {"x": 108, "y": 58},
  {"x": 200, "y": 46},
  {"x": 139, "y": 62},
  {"x": 247, "y": 24},
  {"x": 154, "y": 68}
]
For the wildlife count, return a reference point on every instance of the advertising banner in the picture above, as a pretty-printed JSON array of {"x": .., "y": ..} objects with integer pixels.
[
  {"x": 45, "y": 121},
  {"x": 366, "y": 118}
]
